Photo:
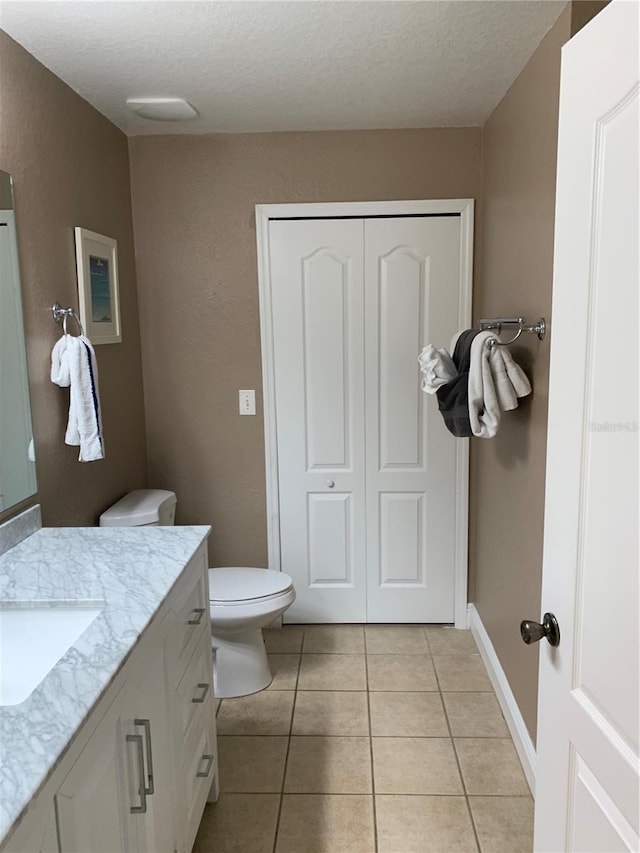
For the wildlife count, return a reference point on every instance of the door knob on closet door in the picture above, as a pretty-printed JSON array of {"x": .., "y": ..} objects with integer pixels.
[
  {"x": 532, "y": 632},
  {"x": 330, "y": 484}
]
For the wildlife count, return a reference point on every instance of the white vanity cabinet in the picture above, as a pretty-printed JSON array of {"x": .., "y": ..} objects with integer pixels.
[
  {"x": 119, "y": 793},
  {"x": 143, "y": 765}
]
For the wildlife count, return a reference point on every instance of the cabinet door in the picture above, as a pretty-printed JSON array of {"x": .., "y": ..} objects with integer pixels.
[
  {"x": 94, "y": 802},
  {"x": 147, "y": 717}
]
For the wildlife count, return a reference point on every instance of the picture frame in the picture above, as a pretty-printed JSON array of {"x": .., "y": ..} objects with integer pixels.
[{"x": 98, "y": 291}]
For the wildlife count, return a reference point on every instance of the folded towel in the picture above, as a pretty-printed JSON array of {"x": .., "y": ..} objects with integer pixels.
[
  {"x": 495, "y": 384},
  {"x": 437, "y": 368},
  {"x": 73, "y": 366},
  {"x": 510, "y": 378}
]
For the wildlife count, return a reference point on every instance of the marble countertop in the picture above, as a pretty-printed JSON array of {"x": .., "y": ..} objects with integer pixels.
[{"x": 131, "y": 570}]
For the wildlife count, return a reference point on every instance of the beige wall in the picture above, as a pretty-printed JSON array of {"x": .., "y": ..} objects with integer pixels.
[
  {"x": 582, "y": 11},
  {"x": 515, "y": 263},
  {"x": 193, "y": 200},
  {"x": 70, "y": 167}
]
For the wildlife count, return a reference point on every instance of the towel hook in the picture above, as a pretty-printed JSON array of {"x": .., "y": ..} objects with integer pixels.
[{"x": 60, "y": 313}]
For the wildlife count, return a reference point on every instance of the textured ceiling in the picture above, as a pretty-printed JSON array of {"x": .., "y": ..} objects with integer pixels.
[{"x": 283, "y": 65}]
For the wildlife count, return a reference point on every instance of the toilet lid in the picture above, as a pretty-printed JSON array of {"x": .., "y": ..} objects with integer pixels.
[{"x": 244, "y": 584}]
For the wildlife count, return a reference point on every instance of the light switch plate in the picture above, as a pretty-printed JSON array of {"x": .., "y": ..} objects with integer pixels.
[{"x": 247, "y": 402}]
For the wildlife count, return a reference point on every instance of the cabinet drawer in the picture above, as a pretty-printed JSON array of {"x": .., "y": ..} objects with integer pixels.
[
  {"x": 189, "y": 617},
  {"x": 197, "y": 775},
  {"x": 194, "y": 693}
]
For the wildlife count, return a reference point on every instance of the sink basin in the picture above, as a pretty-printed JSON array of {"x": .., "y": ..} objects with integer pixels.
[{"x": 33, "y": 638}]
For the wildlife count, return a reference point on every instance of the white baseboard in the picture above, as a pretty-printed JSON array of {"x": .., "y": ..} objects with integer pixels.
[{"x": 515, "y": 722}]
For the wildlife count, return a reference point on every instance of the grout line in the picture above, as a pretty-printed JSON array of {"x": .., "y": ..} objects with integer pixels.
[
  {"x": 380, "y": 794},
  {"x": 455, "y": 752},
  {"x": 373, "y": 778},
  {"x": 375, "y": 737},
  {"x": 286, "y": 757},
  {"x": 426, "y": 636}
]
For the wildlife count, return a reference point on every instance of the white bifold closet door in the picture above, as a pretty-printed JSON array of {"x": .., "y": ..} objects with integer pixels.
[{"x": 366, "y": 469}]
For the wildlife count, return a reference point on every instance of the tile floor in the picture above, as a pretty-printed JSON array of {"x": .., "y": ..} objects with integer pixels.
[{"x": 371, "y": 739}]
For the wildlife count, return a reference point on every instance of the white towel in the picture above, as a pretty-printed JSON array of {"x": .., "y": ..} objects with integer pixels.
[
  {"x": 437, "y": 368},
  {"x": 73, "y": 366},
  {"x": 495, "y": 384}
]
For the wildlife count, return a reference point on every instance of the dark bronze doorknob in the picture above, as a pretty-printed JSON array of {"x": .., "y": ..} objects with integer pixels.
[{"x": 532, "y": 632}]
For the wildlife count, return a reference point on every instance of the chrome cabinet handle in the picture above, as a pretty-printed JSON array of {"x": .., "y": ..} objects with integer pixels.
[
  {"x": 209, "y": 760},
  {"x": 142, "y": 808},
  {"x": 146, "y": 724},
  {"x": 200, "y": 611},
  {"x": 199, "y": 699}
]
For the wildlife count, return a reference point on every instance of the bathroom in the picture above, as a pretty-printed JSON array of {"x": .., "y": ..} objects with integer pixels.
[{"x": 181, "y": 206}]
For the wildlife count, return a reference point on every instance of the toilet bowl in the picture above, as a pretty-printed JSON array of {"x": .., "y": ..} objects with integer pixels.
[{"x": 242, "y": 602}]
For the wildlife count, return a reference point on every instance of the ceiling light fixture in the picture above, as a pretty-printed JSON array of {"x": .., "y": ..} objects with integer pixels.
[{"x": 162, "y": 109}]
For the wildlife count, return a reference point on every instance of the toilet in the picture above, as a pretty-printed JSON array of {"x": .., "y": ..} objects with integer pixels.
[{"x": 242, "y": 600}]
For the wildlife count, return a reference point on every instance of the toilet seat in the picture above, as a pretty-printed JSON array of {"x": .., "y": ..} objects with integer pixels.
[{"x": 239, "y": 586}]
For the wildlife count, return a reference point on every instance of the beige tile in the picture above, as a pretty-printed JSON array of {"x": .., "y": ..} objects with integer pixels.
[
  {"x": 490, "y": 766},
  {"x": 328, "y": 765},
  {"x": 284, "y": 669},
  {"x": 450, "y": 641},
  {"x": 251, "y": 765},
  {"x": 326, "y": 824},
  {"x": 332, "y": 672},
  {"x": 424, "y": 825},
  {"x": 474, "y": 715},
  {"x": 334, "y": 639},
  {"x": 504, "y": 824},
  {"x": 340, "y": 712},
  {"x": 239, "y": 823},
  {"x": 407, "y": 715},
  {"x": 265, "y": 713},
  {"x": 283, "y": 641},
  {"x": 461, "y": 673},
  {"x": 395, "y": 640},
  {"x": 401, "y": 672},
  {"x": 410, "y": 765}
]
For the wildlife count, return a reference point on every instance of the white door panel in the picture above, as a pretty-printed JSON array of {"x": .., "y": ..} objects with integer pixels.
[
  {"x": 366, "y": 469},
  {"x": 412, "y": 291},
  {"x": 317, "y": 299},
  {"x": 588, "y": 779}
]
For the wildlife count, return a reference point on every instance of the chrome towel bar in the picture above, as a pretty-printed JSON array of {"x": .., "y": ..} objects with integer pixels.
[{"x": 539, "y": 328}]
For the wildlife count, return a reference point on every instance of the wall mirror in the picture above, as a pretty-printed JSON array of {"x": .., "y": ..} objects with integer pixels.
[{"x": 17, "y": 462}]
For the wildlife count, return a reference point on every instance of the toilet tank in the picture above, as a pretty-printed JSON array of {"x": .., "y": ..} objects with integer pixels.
[{"x": 142, "y": 508}]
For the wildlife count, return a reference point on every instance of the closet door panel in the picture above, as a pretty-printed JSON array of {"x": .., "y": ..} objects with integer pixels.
[
  {"x": 402, "y": 539},
  {"x": 411, "y": 299},
  {"x": 325, "y": 291},
  {"x": 318, "y": 324},
  {"x": 402, "y": 284}
]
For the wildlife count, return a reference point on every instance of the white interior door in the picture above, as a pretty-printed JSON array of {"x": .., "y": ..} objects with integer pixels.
[
  {"x": 366, "y": 474},
  {"x": 587, "y": 781},
  {"x": 318, "y": 325},
  {"x": 412, "y": 276}
]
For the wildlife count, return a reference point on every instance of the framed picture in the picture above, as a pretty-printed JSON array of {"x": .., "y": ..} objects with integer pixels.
[{"x": 97, "y": 265}]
